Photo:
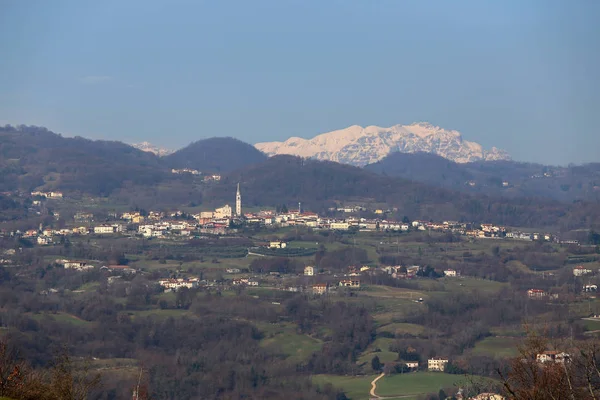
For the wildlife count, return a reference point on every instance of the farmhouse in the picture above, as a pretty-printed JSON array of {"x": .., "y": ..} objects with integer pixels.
[
  {"x": 450, "y": 273},
  {"x": 309, "y": 271}
]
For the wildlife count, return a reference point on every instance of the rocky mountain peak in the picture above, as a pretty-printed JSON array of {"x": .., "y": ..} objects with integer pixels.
[{"x": 359, "y": 146}]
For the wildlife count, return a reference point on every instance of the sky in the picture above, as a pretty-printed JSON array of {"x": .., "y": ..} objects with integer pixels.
[{"x": 521, "y": 75}]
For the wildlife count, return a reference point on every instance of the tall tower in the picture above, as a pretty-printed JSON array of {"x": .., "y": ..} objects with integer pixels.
[{"x": 238, "y": 202}]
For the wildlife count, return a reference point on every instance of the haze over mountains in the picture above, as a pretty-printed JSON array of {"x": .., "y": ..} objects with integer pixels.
[{"x": 359, "y": 146}]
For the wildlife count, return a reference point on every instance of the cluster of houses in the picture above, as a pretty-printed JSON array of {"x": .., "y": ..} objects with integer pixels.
[
  {"x": 48, "y": 195},
  {"x": 174, "y": 284}
]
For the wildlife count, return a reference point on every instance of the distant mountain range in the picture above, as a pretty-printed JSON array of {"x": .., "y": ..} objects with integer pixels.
[
  {"x": 496, "y": 178},
  {"x": 360, "y": 146},
  {"x": 150, "y": 148}
]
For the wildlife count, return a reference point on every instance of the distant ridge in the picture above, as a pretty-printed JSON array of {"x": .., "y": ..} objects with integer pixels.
[
  {"x": 218, "y": 154},
  {"x": 360, "y": 146}
]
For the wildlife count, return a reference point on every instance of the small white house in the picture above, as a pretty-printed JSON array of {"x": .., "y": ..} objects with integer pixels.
[
  {"x": 309, "y": 271},
  {"x": 450, "y": 273}
]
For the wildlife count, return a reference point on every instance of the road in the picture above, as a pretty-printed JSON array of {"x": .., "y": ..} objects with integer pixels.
[{"x": 374, "y": 386}]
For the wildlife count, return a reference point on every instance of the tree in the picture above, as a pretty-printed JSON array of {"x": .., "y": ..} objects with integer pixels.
[
  {"x": 576, "y": 377},
  {"x": 376, "y": 364},
  {"x": 442, "y": 395}
]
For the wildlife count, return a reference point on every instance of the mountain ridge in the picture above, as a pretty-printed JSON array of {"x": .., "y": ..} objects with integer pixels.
[{"x": 360, "y": 146}]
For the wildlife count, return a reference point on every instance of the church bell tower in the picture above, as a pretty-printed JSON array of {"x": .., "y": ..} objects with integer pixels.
[{"x": 238, "y": 202}]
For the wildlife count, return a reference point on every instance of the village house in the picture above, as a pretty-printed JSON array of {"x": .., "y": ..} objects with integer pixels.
[
  {"x": 233, "y": 270},
  {"x": 244, "y": 281},
  {"x": 437, "y": 364},
  {"x": 350, "y": 283},
  {"x": 552, "y": 356},
  {"x": 488, "y": 396},
  {"x": 339, "y": 226},
  {"x": 412, "y": 364},
  {"x": 176, "y": 284},
  {"x": 319, "y": 288},
  {"x": 581, "y": 271},
  {"x": 119, "y": 268},
  {"x": 78, "y": 265},
  {"x": 590, "y": 288},
  {"x": 44, "y": 240},
  {"x": 450, "y": 273},
  {"x": 536, "y": 294},
  {"x": 277, "y": 245},
  {"x": 309, "y": 271},
  {"x": 104, "y": 229}
]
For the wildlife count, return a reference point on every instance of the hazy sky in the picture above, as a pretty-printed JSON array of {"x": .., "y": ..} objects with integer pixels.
[{"x": 521, "y": 75}]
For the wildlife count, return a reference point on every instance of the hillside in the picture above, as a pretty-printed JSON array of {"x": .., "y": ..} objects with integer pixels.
[
  {"x": 36, "y": 158},
  {"x": 496, "y": 178},
  {"x": 321, "y": 184},
  {"x": 215, "y": 155},
  {"x": 359, "y": 146}
]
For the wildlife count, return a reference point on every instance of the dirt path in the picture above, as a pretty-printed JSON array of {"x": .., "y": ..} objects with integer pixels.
[{"x": 374, "y": 385}]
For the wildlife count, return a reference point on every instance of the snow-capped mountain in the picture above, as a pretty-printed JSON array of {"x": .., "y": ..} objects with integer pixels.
[
  {"x": 150, "y": 148},
  {"x": 356, "y": 145}
]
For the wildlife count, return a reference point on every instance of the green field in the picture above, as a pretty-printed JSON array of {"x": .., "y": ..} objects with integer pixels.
[
  {"x": 380, "y": 348},
  {"x": 60, "y": 317},
  {"x": 355, "y": 387},
  {"x": 400, "y": 328},
  {"x": 416, "y": 383},
  {"x": 285, "y": 340},
  {"x": 405, "y": 386},
  {"x": 499, "y": 347}
]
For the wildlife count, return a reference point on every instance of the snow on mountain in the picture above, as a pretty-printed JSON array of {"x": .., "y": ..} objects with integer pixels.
[
  {"x": 359, "y": 146},
  {"x": 149, "y": 147}
]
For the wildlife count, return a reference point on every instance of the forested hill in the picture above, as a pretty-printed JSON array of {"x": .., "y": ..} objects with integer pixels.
[
  {"x": 215, "y": 155},
  {"x": 34, "y": 157},
  {"x": 496, "y": 178},
  {"x": 319, "y": 184}
]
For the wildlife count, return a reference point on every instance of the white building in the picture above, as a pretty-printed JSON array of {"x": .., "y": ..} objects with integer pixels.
[
  {"x": 277, "y": 245},
  {"x": 450, "y": 273},
  {"x": 309, "y": 271},
  {"x": 437, "y": 364},
  {"x": 78, "y": 265},
  {"x": 176, "y": 284},
  {"x": 223, "y": 212},
  {"x": 104, "y": 229},
  {"x": 581, "y": 271},
  {"x": 341, "y": 226},
  {"x": 552, "y": 356}
]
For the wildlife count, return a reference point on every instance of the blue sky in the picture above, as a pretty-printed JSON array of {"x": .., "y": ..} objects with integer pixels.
[{"x": 521, "y": 75}]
